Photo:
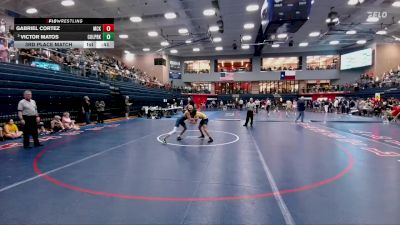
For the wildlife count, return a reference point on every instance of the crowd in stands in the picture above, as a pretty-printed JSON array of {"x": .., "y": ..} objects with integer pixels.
[
  {"x": 85, "y": 62},
  {"x": 387, "y": 109}
]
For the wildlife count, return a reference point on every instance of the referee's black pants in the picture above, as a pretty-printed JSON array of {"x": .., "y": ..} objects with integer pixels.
[
  {"x": 30, "y": 128},
  {"x": 249, "y": 116}
]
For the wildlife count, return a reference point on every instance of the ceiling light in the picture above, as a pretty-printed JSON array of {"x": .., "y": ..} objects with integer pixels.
[
  {"x": 219, "y": 48},
  {"x": 68, "y": 3},
  {"x": 281, "y": 36},
  {"x": 372, "y": 19},
  {"x": 396, "y": 4},
  {"x": 245, "y": 46},
  {"x": 381, "y": 32},
  {"x": 183, "y": 31},
  {"x": 352, "y": 2},
  {"x": 170, "y": 15},
  {"x": 351, "y": 32},
  {"x": 127, "y": 52},
  {"x": 213, "y": 29},
  {"x": 173, "y": 51},
  {"x": 246, "y": 38},
  {"x": 188, "y": 41},
  {"x": 152, "y": 33},
  {"x": 209, "y": 12},
  {"x": 196, "y": 49},
  {"x": 146, "y": 49},
  {"x": 217, "y": 39},
  {"x": 275, "y": 45},
  {"x": 123, "y": 36},
  {"x": 164, "y": 43},
  {"x": 361, "y": 42},
  {"x": 312, "y": 2},
  {"x": 303, "y": 44},
  {"x": 334, "y": 42},
  {"x": 248, "y": 26},
  {"x": 136, "y": 19},
  {"x": 314, "y": 34},
  {"x": 31, "y": 11},
  {"x": 252, "y": 7}
]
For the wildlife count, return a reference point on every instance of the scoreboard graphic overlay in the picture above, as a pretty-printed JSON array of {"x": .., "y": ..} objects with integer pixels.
[{"x": 64, "y": 32}]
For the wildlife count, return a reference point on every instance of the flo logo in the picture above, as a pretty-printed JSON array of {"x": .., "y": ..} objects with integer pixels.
[
  {"x": 96, "y": 128},
  {"x": 73, "y": 133},
  {"x": 9, "y": 145},
  {"x": 112, "y": 125}
]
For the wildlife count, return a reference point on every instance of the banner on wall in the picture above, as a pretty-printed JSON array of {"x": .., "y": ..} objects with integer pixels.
[
  {"x": 46, "y": 65},
  {"x": 175, "y": 75},
  {"x": 227, "y": 77}
]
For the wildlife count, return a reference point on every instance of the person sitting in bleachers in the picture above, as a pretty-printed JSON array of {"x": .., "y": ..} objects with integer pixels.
[
  {"x": 11, "y": 130},
  {"x": 57, "y": 125},
  {"x": 68, "y": 123}
]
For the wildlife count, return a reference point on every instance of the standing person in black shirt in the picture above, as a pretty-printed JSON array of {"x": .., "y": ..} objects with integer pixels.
[
  {"x": 86, "y": 109},
  {"x": 301, "y": 107},
  {"x": 251, "y": 107}
]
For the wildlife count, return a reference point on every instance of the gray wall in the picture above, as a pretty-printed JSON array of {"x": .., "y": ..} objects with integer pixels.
[
  {"x": 257, "y": 75},
  {"x": 338, "y": 77}
]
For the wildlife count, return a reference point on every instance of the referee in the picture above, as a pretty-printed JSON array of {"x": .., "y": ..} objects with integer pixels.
[
  {"x": 29, "y": 117},
  {"x": 251, "y": 106}
]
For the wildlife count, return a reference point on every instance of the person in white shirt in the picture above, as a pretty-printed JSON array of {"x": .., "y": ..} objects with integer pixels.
[
  {"x": 241, "y": 104},
  {"x": 336, "y": 105},
  {"x": 268, "y": 106},
  {"x": 251, "y": 107},
  {"x": 29, "y": 117},
  {"x": 288, "y": 107}
]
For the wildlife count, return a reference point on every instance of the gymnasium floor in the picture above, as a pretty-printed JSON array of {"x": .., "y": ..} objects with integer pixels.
[{"x": 277, "y": 172}]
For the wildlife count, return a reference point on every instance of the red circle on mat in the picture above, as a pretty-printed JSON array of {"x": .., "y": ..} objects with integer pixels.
[{"x": 350, "y": 163}]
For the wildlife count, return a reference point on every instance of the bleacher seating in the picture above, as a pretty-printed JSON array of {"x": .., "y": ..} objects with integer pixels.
[
  {"x": 56, "y": 92},
  {"x": 53, "y": 91}
]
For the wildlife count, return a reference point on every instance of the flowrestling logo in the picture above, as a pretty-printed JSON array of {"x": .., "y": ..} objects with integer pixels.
[{"x": 356, "y": 142}]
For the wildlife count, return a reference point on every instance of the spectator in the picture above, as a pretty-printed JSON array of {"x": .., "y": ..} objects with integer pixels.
[
  {"x": 100, "y": 107},
  {"x": 127, "y": 107},
  {"x": 29, "y": 117},
  {"x": 241, "y": 104},
  {"x": 301, "y": 107},
  {"x": 68, "y": 123},
  {"x": 42, "y": 130},
  {"x": 11, "y": 130},
  {"x": 1, "y": 134},
  {"x": 56, "y": 124},
  {"x": 86, "y": 109}
]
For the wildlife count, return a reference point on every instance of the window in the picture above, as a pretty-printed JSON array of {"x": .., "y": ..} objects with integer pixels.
[
  {"x": 201, "y": 88},
  {"x": 281, "y": 63},
  {"x": 322, "y": 62},
  {"x": 233, "y": 65},
  {"x": 233, "y": 88},
  {"x": 197, "y": 66},
  {"x": 288, "y": 86},
  {"x": 174, "y": 65}
]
